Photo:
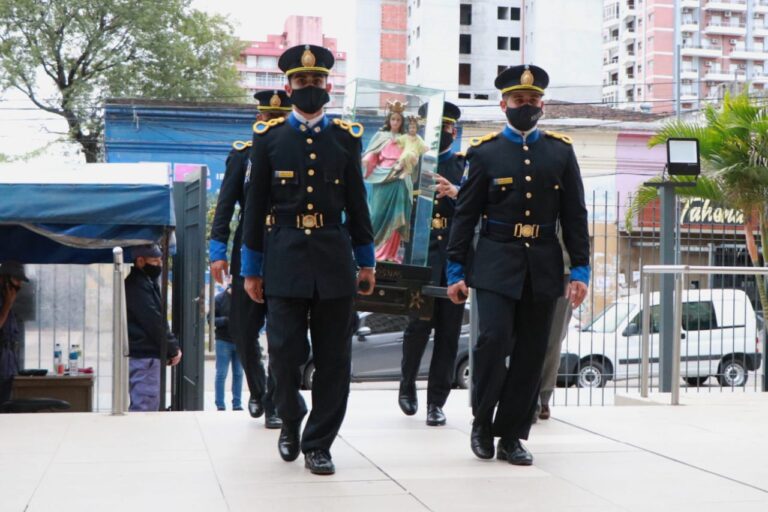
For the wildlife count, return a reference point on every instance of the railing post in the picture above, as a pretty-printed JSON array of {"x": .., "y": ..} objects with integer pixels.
[
  {"x": 118, "y": 297},
  {"x": 678, "y": 326},
  {"x": 645, "y": 369}
]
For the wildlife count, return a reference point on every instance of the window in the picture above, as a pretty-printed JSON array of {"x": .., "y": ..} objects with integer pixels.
[
  {"x": 465, "y": 74},
  {"x": 502, "y": 13},
  {"x": 251, "y": 61},
  {"x": 612, "y": 316},
  {"x": 502, "y": 43},
  {"x": 499, "y": 69},
  {"x": 514, "y": 44},
  {"x": 418, "y": 32},
  {"x": 268, "y": 62},
  {"x": 380, "y": 323},
  {"x": 418, "y": 61},
  {"x": 699, "y": 316},
  {"x": 409, "y": 69},
  {"x": 464, "y": 96},
  {"x": 465, "y": 43},
  {"x": 514, "y": 13},
  {"x": 481, "y": 96},
  {"x": 465, "y": 14}
]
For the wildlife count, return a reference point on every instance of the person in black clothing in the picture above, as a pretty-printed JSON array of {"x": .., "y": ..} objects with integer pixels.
[
  {"x": 246, "y": 316},
  {"x": 147, "y": 327},
  {"x": 12, "y": 277},
  {"x": 521, "y": 182},
  {"x": 447, "y": 316},
  {"x": 226, "y": 354},
  {"x": 305, "y": 175}
]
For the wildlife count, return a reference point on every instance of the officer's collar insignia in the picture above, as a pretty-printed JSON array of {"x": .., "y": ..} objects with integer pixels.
[
  {"x": 308, "y": 59},
  {"x": 274, "y": 101},
  {"x": 526, "y": 78}
]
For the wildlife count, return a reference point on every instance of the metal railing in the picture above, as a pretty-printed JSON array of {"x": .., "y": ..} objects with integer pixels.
[
  {"x": 679, "y": 271},
  {"x": 119, "y": 336}
]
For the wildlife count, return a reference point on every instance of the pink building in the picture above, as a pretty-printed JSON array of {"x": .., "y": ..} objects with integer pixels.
[
  {"x": 724, "y": 42},
  {"x": 258, "y": 65}
]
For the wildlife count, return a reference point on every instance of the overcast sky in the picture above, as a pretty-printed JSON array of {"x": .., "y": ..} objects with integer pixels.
[{"x": 23, "y": 128}]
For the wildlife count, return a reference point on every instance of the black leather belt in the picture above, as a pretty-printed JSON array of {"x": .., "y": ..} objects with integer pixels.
[
  {"x": 518, "y": 230},
  {"x": 313, "y": 220}
]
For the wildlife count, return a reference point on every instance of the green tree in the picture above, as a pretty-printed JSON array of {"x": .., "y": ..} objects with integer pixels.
[
  {"x": 733, "y": 143},
  {"x": 90, "y": 50}
]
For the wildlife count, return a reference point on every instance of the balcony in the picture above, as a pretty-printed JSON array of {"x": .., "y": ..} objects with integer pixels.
[
  {"x": 611, "y": 22},
  {"x": 723, "y": 5},
  {"x": 628, "y": 10},
  {"x": 688, "y": 94},
  {"x": 720, "y": 75},
  {"x": 759, "y": 77},
  {"x": 610, "y": 44},
  {"x": 629, "y": 58},
  {"x": 701, "y": 51},
  {"x": 689, "y": 25},
  {"x": 628, "y": 35},
  {"x": 689, "y": 4},
  {"x": 611, "y": 65},
  {"x": 760, "y": 6},
  {"x": 741, "y": 53},
  {"x": 760, "y": 29},
  {"x": 689, "y": 74},
  {"x": 725, "y": 30}
]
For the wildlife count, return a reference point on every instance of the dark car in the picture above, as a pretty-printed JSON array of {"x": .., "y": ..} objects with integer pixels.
[{"x": 377, "y": 349}]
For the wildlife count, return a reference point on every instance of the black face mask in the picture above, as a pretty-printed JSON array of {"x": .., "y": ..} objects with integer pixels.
[
  {"x": 446, "y": 139},
  {"x": 153, "y": 271},
  {"x": 310, "y": 99},
  {"x": 524, "y": 118}
]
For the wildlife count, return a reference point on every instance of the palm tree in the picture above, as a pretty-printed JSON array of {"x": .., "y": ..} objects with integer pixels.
[{"x": 733, "y": 144}]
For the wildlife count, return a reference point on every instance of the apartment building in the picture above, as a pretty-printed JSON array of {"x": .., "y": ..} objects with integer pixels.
[
  {"x": 723, "y": 45},
  {"x": 258, "y": 65}
]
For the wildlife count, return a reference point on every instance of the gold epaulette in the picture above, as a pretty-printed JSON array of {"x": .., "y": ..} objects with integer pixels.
[
  {"x": 559, "y": 136},
  {"x": 261, "y": 127},
  {"x": 461, "y": 154},
  {"x": 354, "y": 129},
  {"x": 240, "y": 145},
  {"x": 476, "y": 141}
]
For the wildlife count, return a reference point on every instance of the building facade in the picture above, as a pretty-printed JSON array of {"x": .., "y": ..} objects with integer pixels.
[
  {"x": 723, "y": 45},
  {"x": 258, "y": 64},
  {"x": 462, "y": 45},
  {"x": 380, "y": 41}
]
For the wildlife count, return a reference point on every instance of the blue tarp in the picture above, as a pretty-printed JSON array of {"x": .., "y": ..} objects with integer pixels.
[{"x": 78, "y": 214}]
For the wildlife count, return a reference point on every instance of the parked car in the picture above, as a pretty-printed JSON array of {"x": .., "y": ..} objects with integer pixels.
[
  {"x": 719, "y": 339},
  {"x": 377, "y": 350}
]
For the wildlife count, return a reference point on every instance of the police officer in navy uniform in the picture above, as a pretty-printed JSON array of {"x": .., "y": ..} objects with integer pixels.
[
  {"x": 306, "y": 187},
  {"x": 246, "y": 316},
  {"x": 447, "y": 316},
  {"x": 521, "y": 182}
]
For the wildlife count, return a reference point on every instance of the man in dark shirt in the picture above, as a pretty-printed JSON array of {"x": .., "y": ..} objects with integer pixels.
[
  {"x": 147, "y": 327},
  {"x": 11, "y": 278}
]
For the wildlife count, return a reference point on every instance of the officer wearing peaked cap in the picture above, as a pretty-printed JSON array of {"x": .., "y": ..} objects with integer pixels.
[
  {"x": 447, "y": 316},
  {"x": 306, "y": 187},
  {"x": 246, "y": 316},
  {"x": 521, "y": 182}
]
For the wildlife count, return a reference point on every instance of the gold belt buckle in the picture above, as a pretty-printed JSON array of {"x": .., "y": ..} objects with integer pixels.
[
  {"x": 438, "y": 223},
  {"x": 526, "y": 230},
  {"x": 310, "y": 220}
]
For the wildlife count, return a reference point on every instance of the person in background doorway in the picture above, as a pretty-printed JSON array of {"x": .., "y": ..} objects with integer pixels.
[
  {"x": 226, "y": 354},
  {"x": 11, "y": 278}
]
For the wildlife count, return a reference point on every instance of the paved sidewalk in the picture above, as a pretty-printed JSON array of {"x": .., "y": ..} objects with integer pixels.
[{"x": 710, "y": 455}]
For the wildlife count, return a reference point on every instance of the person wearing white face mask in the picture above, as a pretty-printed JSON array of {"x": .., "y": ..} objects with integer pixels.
[{"x": 521, "y": 182}]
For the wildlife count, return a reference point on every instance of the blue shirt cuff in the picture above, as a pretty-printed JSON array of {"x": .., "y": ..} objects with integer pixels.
[
  {"x": 581, "y": 274},
  {"x": 454, "y": 272},
  {"x": 250, "y": 262},
  {"x": 217, "y": 251},
  {"x": 364, "y": 255}
]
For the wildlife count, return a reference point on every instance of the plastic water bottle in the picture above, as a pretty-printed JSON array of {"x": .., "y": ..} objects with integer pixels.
[
  {"x": 58, "y": 362},
  {"x": 74, "y": 354}
]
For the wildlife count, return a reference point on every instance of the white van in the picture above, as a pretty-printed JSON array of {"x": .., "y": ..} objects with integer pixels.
[{"x": 719, "y": 338}]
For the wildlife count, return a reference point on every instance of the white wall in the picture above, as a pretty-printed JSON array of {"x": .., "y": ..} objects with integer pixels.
[
  {"x": 365, "y": 54},
  {"x": 436, "y": 47}
]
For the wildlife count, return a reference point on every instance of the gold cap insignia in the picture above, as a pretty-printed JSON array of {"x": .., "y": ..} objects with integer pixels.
[
  {"x": 308, "y": 59},
  {"x": 526, "y": 78},
  {"x": 274, "y": 101}
]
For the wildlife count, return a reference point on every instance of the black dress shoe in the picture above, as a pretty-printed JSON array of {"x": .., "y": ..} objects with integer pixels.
[
  {"x": 288, "y": 442},
  {"x": 255, "y": 407},
  {"x": 435, "y": 416},
  {"x": 407, "y": 400},
  {"x": 514, "y": 452},
  {"x": 481, "y": 441},
  {"x": 319, "y": 462},
  {"x": 272, "y": 421}
]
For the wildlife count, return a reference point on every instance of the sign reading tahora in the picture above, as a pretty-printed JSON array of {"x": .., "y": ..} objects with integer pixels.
[{"x": 702, "y": 211}]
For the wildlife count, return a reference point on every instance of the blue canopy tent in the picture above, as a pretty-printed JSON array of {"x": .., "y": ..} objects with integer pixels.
[{"x": 78, "y": 213}]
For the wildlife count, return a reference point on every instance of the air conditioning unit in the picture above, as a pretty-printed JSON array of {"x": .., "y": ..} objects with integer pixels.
[
  {"x": 734, "y": 41},
  {"x": 728, "y": 14},
  {"x": 714, "y": 41},
  {"x": 708, "y": 64},
  {"x": 742, "y": 66}
]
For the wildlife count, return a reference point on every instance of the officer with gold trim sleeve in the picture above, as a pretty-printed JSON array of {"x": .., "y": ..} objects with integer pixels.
[
  {"x": 447, "y": 316},
  {"x": 307, "y": 229},
  {"x": 246, "y": 316},
  {"x": 521, "y": 182}
]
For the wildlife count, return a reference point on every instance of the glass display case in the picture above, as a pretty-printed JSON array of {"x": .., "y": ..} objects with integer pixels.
[{"x": 400, "y": 146}]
